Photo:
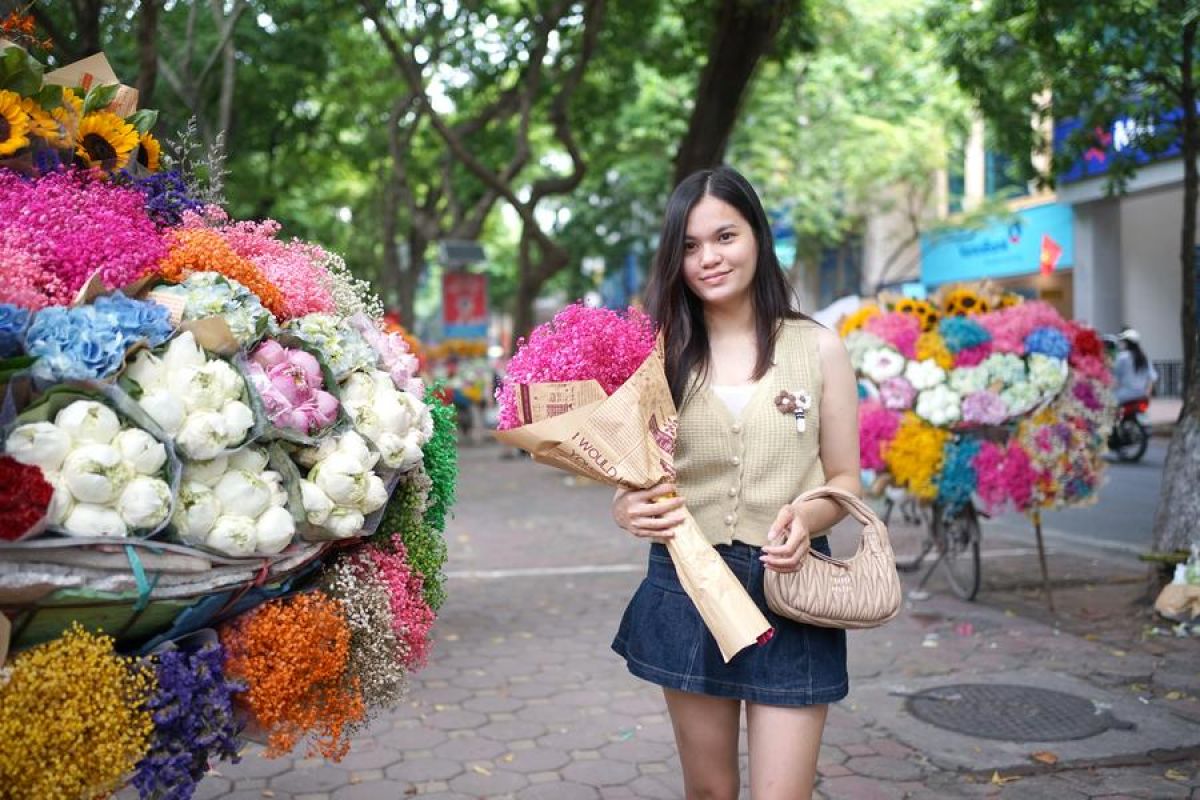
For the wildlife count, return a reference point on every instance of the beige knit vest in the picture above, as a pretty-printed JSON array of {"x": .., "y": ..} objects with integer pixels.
[{"x": 735, "y": 474}]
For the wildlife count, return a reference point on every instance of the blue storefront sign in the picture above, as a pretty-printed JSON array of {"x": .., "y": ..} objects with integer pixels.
[
  {"x": 1016, "y": 247},
  {"x": 1121, "y": 139}
]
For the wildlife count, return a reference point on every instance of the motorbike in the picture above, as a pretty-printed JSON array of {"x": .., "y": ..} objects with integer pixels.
[{"x": 1130, "y": 436}]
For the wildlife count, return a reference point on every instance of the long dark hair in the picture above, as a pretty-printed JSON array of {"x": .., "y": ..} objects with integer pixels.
[
  {"x": 679, "y": 313},
  {"x": 1140, "y": 362}
]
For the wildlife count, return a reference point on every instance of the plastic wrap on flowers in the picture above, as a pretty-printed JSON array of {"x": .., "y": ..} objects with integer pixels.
[
  {"x": 129, "y": 316},
  {"x": 1002, "y": 400},
  {"x": 112, "y": 476}
]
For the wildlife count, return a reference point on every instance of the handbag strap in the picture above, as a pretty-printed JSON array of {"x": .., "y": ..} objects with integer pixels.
[{"x": 856, "y": 507}]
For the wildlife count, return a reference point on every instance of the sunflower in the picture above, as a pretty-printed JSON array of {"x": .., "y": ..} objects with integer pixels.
[
  {"x": 42, "y": 124},
  {"x": 14, "y": 124},
  {"x": 925, "y": 313},
  {"x": 67, "y": 116},
  {"x": 856, "y": 320},
  {"x": 105, "y": 140},
  {"x": 964, "y": 302},
  {"x": 149, "y": 151},
  {"x": 1009, "y": 299}
]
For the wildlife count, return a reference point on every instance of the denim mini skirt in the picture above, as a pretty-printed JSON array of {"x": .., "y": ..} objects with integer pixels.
[{"x": 663, "y": 640}]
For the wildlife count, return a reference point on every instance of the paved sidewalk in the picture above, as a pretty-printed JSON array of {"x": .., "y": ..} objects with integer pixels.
[{"x": 523, "y": 698}]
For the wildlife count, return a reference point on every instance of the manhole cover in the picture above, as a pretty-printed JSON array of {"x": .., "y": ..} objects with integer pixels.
[{"x": 1012, "y": 713}]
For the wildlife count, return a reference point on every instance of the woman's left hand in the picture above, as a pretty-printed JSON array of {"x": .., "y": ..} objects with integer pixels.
[{"x": 787, "y": 541}]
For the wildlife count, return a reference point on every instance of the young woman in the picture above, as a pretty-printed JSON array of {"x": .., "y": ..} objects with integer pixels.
[
  {"x": 736, "y": 346},
  {"x": 1135, "y": 375}
]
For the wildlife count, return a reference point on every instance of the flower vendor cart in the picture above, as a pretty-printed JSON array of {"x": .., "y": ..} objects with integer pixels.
[
  {"x": 979, "y": 399},
  {"x": 223, "y": 483}
]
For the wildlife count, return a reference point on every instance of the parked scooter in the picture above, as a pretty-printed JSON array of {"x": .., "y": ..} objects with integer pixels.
[{"x": 1130, "y": 436}]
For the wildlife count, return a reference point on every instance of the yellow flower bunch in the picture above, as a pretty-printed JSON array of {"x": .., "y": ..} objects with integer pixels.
[
  {"x": 931, "y": 345},
  {"x": 925, "y": 312},
  {"x": 854, "y": 321},
  {"x": 100, "y": 731},
  {"x": 915, "y": 456},
  {"x": 963, "y": 301}
]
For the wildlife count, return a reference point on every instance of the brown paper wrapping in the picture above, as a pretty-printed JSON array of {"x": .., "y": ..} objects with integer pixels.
[
  {"x": 95, "y": 70},
  {"x": 628, "y": 439}
]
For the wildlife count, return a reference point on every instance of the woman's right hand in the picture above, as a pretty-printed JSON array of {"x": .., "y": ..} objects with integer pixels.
[{"x": 636, "y": 511}]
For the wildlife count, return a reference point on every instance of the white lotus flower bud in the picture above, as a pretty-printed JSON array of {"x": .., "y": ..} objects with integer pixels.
[
  {"x": 96, "y": 473},
  {"x": 203, "y": 435},
  {"x": 358, "y": 390},
  {"x": 183, "y": 352},
  {"x": 342, "y": 478},
  {"x": 206, "y": 472},
  {"x": 274, "y": 482},
  {"x": 42, "y": 444},
  {"x": 392, "y": 413},
  {"x": 203, "y": 388},
  {"x": 356, "y": 447},
  {"x": 412, "y": 455},
  {"x": 377, "y": 495},
  {"x": 89, "y": 519},
  {"x": 145, "y": 502},
  {"x": 392, "y": 449},
  {"x": 196, "y": 513},
  {"x": 88, "y": 421},
  {"x": 234, "y": 535},
  {"x": 311, "y": 456},
  {"x": 243, "y": 493},
  {"x": 422, "y": 420},
  {"x": 344, "y": 522},
  {"x": 61, "y": 502},
  {"x": 317, "y": 505},
  {"x": 165, "y": 409},
  {"x": 148, "y": 371},
  {"x": 274, "y": 530},
  {"x": 141, "y": 450},
  {"x": 252, "y": 459},
  {"x": 238, "y": 420}
]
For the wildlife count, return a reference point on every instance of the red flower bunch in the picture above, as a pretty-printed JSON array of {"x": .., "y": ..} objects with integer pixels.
[{"x": 24, "y": 497}]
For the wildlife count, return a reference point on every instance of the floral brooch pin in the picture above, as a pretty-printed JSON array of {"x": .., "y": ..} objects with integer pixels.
[{"x": 795, "y": 403}]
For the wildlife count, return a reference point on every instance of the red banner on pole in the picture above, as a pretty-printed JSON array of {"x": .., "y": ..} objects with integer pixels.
[{"x": 464, "y": 305}]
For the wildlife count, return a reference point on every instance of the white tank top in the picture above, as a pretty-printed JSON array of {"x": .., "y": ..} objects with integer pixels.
[{"x": 736, "y": 397}]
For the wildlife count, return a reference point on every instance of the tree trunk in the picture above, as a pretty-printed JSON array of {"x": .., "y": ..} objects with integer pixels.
[
  {"x": 1177, "y": 522},
  {"x": 87, "y": 23},
  {"x": 410, "y": 273},
  {"x": 743, "y": 32},
  {"x": 147, "y": 51}
]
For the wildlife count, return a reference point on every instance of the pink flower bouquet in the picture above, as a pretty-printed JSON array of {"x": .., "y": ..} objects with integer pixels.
[
  {"x": 587, "y": 393},
  {"x": 290, "y": 383}
]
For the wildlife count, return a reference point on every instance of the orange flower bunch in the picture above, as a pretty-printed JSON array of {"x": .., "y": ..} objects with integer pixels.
[
  {"x": 293, "y": 656},
  {"x": 203, "y": 250}
]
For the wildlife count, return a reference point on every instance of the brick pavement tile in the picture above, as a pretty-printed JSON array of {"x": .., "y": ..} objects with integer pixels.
[
  {"x": 419, "y": 770},
  {"x": 493, "y": 784},
  {"x": 211, "y": 787},
  {"x": 250, "y": 783},
  {"x": 448, "y": 695},
  {"x": 891, "y": 748},
  {"x": 368, "y": 791},
  {"x": 254, "y": 765},
  {"x": 1040, "y": 788},
  {"x": 530, "y": 690},
  {"x": 635, "y": 751},
  {"x": 832, "y": 771},
  {"x": 831, "y": 755},
  {"x": 542, "y": 759},
  {"x": 601, "y": 772},
  {"x": 470, "y": 748},
  {"x": 893, "y": 769},
  {"x": 369, "y": 755},
  {"x": 549, "y": 713},
  {"x": 584, "y": 697},
  {"x": 317, "y": 779},
  {"x": 493, "y": 704},
  {"x": 558, "y": 791},
  {"x": 843, "y": 736},
  {"x": 858, "y": 750},
  {"x": 251, "y": 794},
  {"x": 456, "y": 720},
  {"x": 479, "y": 679},
  {"x": 854, "y": 787},
  {"x": 638, "y": 704},
  {"x": 412, "y": 738},
  {"x": 506, "y": 730}
]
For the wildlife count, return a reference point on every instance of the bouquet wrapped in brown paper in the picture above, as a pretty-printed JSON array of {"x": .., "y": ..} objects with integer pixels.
[{"x": 618, "y": 428}]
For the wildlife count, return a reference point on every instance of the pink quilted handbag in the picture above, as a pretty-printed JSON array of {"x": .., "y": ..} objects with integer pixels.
[{"x": 861, "y": 592}]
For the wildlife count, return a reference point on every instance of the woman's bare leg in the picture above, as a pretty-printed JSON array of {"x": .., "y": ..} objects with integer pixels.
[
  {"x": 706, "y": 734},
  {"x": 784, "y": 744}
]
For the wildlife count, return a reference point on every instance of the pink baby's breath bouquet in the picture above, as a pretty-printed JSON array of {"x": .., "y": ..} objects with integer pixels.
[{"x": 587, "y": 393}]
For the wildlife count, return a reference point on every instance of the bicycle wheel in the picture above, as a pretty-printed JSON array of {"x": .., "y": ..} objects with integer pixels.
[{"x": 957, "y": 538}]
